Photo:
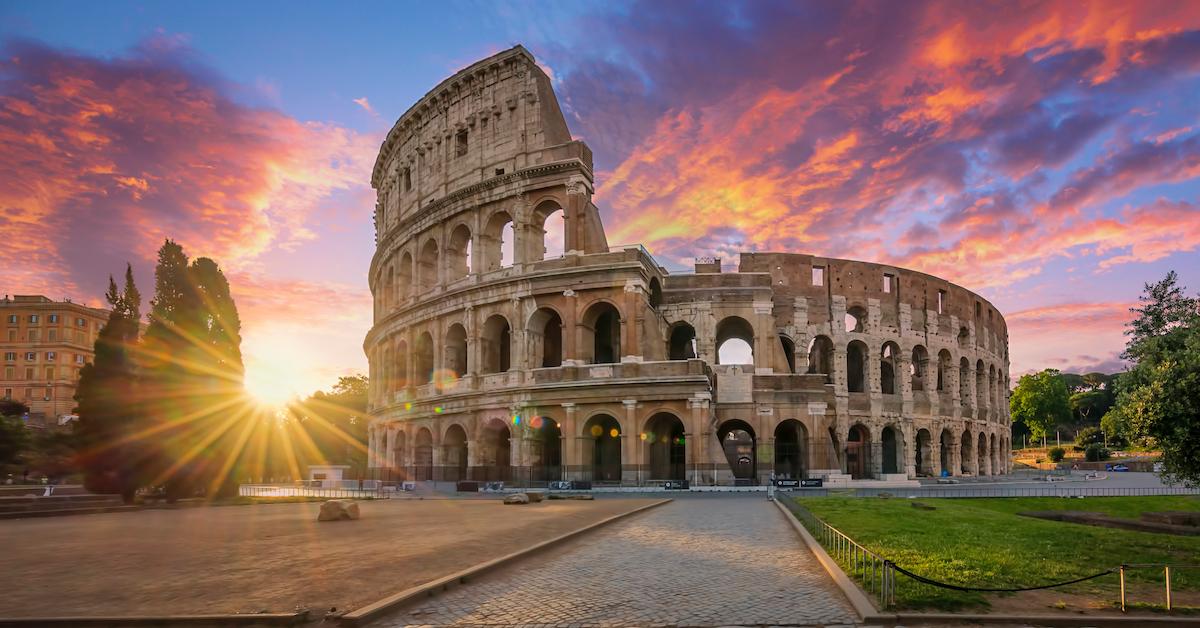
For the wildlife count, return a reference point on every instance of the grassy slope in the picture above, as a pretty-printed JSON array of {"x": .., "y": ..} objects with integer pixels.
[{"x": 982, "y": 542}]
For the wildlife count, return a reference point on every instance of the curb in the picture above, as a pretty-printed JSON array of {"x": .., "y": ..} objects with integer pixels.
[
  {"x": 360, "y": 616},
  {"x": 868, "y": 614},
  {"x": 166, "y": 621}
]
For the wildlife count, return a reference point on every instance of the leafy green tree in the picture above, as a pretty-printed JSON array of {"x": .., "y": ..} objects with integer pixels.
[
  {"x": 1040, "y": 401},
  {"x": 1095, "y": 453},
  {"x": 1158, "y": 400},
  {"x": 337, "y": 421},
  {"x": 14, "y": 436},
  {"x": 1087, "y": 436},
  {"x": 107, "y": 394},
  {"x": 1057, "y": 454},
  {"x": 1089, "y": 405}
]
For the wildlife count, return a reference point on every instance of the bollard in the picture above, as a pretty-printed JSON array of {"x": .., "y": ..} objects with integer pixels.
[
  {"x": 1167, "y": 573},
  {"x": 1122, "y": 588}
]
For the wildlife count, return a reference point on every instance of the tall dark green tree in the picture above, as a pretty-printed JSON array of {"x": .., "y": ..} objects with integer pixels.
[
  {"x": 1040, "y": 401},
  {"x": 105, "y": 437}
]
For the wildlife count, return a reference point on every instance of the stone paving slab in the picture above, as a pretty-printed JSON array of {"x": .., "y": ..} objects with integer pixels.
[{"x": 710, "y": 562}]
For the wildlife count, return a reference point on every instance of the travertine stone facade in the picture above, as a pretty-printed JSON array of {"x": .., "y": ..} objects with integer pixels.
[{"x": 491, "y": 359}]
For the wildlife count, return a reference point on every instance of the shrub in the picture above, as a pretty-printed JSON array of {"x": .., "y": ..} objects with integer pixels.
[
  {"x": 1095, "y": 453},
  {"x": 1088, "y": 436},
  {"x": 1057, "y": 454}
]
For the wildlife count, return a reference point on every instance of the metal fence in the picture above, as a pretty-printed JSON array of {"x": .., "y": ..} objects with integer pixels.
[
  {"x": 374, "y": 490},
  {"x": 1058, "y": 490}
]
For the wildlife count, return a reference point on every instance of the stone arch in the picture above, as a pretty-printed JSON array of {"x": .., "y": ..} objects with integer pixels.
[
  {"x": 964, "y": 382},
  {"x": 919, "y": 367},
  {"x": 735, "y": 337},
  {"x": 427, "y": 266},
  {"x": 400, "y": 378},
  {"x": 602, "y": 455},
  {"x": 740, "y": 445},
  {"x": 496, "y": 345},
  {"x": 497, "y": 244},
  {"x": 550, "y": 220},
  {"x": 494, "y": 451},
  {"x": 945, "y": 363},
  {"x": 994, "y": 460},
  {"x": 856, "y": 366},
  {"x": 924, "y": 453},
  {"x": 965, "y": 447},
  {"x": 981, "y": 400},
  {"x": 682, "y": 343},
  {"x": 454, "y": 457},
  {"x": 666, "y": 451},
  {"x": 820, "y": 357},
  {"x": 856, "y": 319},
  {"x": 791, "y": 441},
  {"x": 892, "y": 449},
  {"x": 544, "y": 332},
  {"x": 423, "y": 454},
  {"x": 981, "y": 456},
  {"x": 423, "y": 358},
  {"x": 789, "y": 352},
  {"x": 654, "y": 293},
  {"x": 545, "y": 449},
  {"x": 946, "y": 450},
  {"x": 601, "y": 330},
  {"x": 991, "y": 388},
  {"x": 389, "y": 290},
  {"x": 404, "y": 277},
  {"x": 399, "y": 458},
  {"x": 458, "y": 253},
  {"x": 456, "y": 350},
  {"x": 858, "y": 452},
  {"x": 964, "y": 337},
  {"x": 889, "y": 363}
]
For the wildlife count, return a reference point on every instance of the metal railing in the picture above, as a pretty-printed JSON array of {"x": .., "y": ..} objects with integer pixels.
[
  {"x": 1056, "y": 490},
  {"x": 346, "y": 490},
  {"x": 874, "y": 572}
]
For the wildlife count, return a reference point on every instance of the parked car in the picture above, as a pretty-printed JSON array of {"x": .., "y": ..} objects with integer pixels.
[{"x": 1115, "y": 467}]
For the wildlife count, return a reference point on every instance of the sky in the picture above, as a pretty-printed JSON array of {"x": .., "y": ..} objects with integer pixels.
[{"x": 1043, "y": 154}]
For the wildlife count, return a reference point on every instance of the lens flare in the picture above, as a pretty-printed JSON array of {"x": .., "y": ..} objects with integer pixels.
[
  {"x": 597, "y": 431},
  {"x": 614, "y": 432},
  {"x": 437, "y": 410},
  {"x": 536, "y": 422},
  {"x": 444, "y": 379}
]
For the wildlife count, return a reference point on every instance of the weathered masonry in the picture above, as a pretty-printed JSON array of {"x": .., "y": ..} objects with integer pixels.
[{"x": 510, "y": 341}]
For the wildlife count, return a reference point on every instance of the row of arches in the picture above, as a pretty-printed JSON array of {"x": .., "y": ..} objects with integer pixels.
[{"x": 501, "y": 242}]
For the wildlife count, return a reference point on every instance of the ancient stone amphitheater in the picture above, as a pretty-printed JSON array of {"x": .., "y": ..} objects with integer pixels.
[{"x": 511, "y": 342}]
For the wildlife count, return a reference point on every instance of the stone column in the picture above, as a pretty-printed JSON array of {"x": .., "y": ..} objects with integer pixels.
[
  {"x": 909, "y": 434},
  {"x": 629, "y": 329},
  {"x": 956, "y": 453},
  {"x": 766, "y": 339},
  {"x": 630, "y": 441},
  {"x": 573, "y": 217},
  {"x": 572, "y": 451},
  {"x": 570, "y": 330}
]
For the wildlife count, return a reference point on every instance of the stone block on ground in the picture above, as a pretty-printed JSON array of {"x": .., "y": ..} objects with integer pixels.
[
  {"x": 535, "y": 497},
  {"x": 517, "y": 498},
  {"x": 338, "y": 510}
]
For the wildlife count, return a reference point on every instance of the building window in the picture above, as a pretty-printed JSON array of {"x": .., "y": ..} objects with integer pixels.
[
  {"x": 79, "y": 322},
  {"x": 28, "y": 373},
  {"x": 49, "y": 373},
  {"x": 12, "y": 335},
  {"x": 51, "y": 356},
  {"x": 10, "y": 356},
  {"x": 818, "y": 275},
  {"x": 12, "y": 319},
  {"x": 53, "y": 319},
  {"x": 978, "y": 309},
  {"x": 460, "y": 143},
  {"x": 10, "y": 373},
  {"x": 79, "y": 358},
  {"x": 30, "y": 356},
  {"x": 8, "y": 393},
  {"x": 941, "y": 300},
  {"x": 888, "y": 281},
  {"x": 52, "y": 335},
  {"x": 34, "y": 335}
]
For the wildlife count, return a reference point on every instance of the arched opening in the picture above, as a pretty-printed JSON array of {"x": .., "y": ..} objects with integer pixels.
[
  {"x": 981, "y": 394},
  {"x": 741, "y": 449},
  {"x": 887, "y": 368},
  {"x": 496, "y": 250},
  {"x": 994, "y": 466},
  {"x": 856, "y": 319},
  {"x": 858, "y": 452},
  {"x": 964, "y": 337},
  {"x": 602, "y": 333},
  {"x": 735, "y": 341},
  {"x": 427, "y": 266},
  {"x": 544, "y": 332},
  {"x": 964, "y": 382},
  {"x": 918, "y": 368},
  {"x": 682, "y": 345},
  {"x": 893, "y": 450},
  {"x": 424, "y": 358},
  {"x": 400, "y": 379},
  {"x": 945, "y": 363},
  {"x": 665, "y": 447},
  {"x": 991, "y": 386},
  {"x": 820, "y": 357},
  {"x": 458, "y": 253},
  {"x": 496, "y": 344},
  {"x": 790, "y": 439},
  {"x": 856, "y": 366},
  {"x": 554, "y": 231},
  {"x": 545, "y": 449},
  {"x": 924, "y": 453},
  {"x": 398, "y": 443},
  {"x": 964, "y": 452},
  {"x": 947, "y": 447},
  {"x": 423, "y": 455},
  {"x": 655, "y": 291},
  {"x": 454, "y": 458},
  {"x": 982, "y": 456},
  {"x": 789, "y": 352},
  {"x": 456, "y": 350},
  {"x": 495, "y": 452},
  {"x": 837, "y": 459},
  {"x": 602, "y": 456},
  {"x": 404, "y": 277},
  {"x": 389, "y": 290}
]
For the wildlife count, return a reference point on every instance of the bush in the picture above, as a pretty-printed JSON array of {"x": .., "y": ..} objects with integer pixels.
[
  {"x": 1095, "y": 453},
  {"x": 1057, "y": 454},
  {"x": 1088, "y": 436}
]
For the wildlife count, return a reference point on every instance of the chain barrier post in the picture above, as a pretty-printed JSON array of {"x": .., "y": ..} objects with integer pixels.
[
  {"x": 1167, "y": 573},
  {"x": 1122, "y": 588}
]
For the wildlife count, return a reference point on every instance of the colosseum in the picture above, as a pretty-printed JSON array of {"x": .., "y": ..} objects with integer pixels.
[{"x": 512, "y": 342}]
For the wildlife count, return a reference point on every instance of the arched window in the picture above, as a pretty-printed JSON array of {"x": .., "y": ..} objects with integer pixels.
[
  {"x": 454, "y": 444},
  {"x": 400, "y": 366},
  {"x": 887, "y": 368},
  {"x": 856, "y": 319},
  {"x": 981, "y": 391},
  {"x": 424, "y": 358},
  {"x": 856, "y": 366},
  {"x": 789, "y": 352},
  {"x": 682, "y": 345},
  {"x": 423, "y": 454},
  {"x": 404, "y": 278},
  {"x": 964, "y": 382},
  {"x": 456, "y": 350},
  {"x": 497, "y": 344},
  {"x": 458, "y": 254},
  {"x": 427, "y": 266},
  {"x": 603, "y": 457},
  {"x": 655, "y": 293},
  {"x": 602, "y": 333},
  {"x": 545, "y": 338},
  {"x": 497, "y": 246},
  {"x": 919, "y": 367},
  {"x": 554, "y": 231},
  {"x": 389, "y": 290},
  {"x": 820, "y": 357},
  {"x": 945, "y": 363},
  {"x": 735, "y": 341},
  {"x": 665, "y": 447}
]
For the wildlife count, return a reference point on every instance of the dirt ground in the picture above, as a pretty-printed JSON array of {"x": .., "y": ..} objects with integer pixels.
[
  {"x": 1052, "y": 602},
  {"x": 265, "y": 557}
]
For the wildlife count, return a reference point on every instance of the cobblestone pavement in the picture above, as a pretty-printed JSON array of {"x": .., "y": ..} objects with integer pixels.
[{"x": 693, "y": 562}]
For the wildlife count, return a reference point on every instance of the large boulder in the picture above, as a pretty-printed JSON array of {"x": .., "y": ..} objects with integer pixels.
[
  {"x": 517, "y": 498},
  {"x": 338, "y": 510},
  {"x": 535, "y": 496}
]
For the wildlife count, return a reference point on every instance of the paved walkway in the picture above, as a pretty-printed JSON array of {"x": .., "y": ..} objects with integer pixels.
[{"x": 693, "y": 562}]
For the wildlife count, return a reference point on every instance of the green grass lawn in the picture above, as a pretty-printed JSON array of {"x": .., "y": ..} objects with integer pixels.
[{"x": 983, "y": 543}]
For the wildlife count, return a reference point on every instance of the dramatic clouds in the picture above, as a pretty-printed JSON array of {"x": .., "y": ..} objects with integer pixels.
[{"x": 104, "y": 158}]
